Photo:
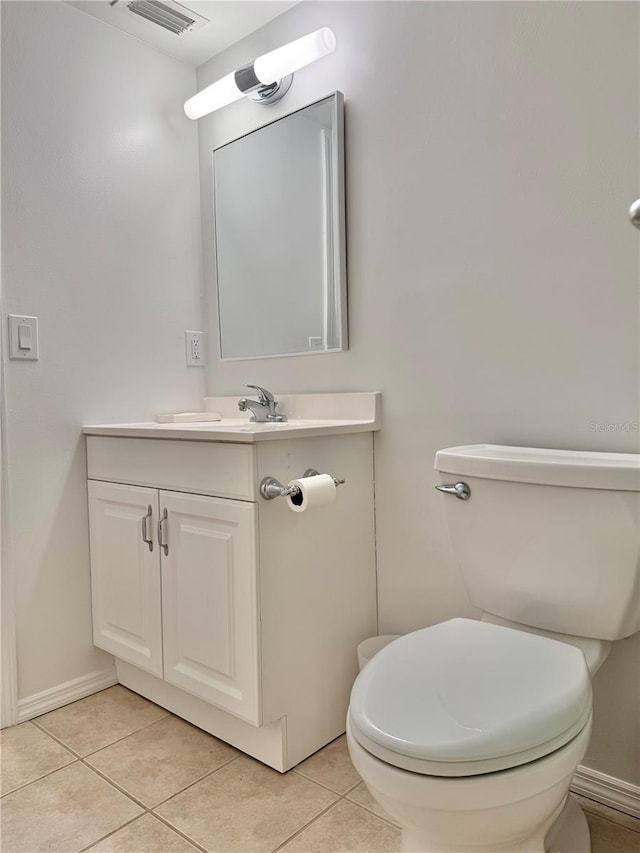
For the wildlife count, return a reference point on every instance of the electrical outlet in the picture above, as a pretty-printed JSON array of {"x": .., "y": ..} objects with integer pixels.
[{"x": 194, "y": 342}]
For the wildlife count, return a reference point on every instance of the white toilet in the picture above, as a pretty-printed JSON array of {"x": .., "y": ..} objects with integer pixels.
[{"x": 469, "y": 732}]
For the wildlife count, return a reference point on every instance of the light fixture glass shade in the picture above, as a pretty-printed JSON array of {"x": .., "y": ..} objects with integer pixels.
[
  {"x": 267, "y": 69},
  {"x": 291, "y": 57},
  {"x": 219, "y": 94}
]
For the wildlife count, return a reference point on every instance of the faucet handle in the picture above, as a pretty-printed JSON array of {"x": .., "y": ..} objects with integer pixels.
[{"x": 264, "y": 396}]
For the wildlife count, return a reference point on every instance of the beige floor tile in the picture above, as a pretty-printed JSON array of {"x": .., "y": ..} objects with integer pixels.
[
  {"x": 331, "y": 766},
  {"x": 99, "y": 720},
  {"x": 346, "y": 828},
  {"x": 245, "y": 808},
  {"x": 361, "y": 795},
  {"x": 147, "y": 834},
  {"x": 609, "y": 814},
  {"x": 27, "y": 754},
  {"x": 157, "y": 762},
  {"x": 65, "y": 812},
  {"x": 607, "y": 837}
]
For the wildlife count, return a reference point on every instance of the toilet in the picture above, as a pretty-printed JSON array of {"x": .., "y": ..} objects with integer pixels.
[{"x": 468, "y": 733}]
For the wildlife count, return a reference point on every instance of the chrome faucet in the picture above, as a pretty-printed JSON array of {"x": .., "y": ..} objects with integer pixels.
[{"x": 263, "y": 410}]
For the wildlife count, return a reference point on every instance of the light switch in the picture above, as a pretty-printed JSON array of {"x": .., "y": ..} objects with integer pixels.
[{"x": 23, "y": 337}]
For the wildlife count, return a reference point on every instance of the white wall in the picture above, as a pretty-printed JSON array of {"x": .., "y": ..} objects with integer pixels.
[
  {"x": 100, "y": 237},
  {"x": 492, "y": 153}
]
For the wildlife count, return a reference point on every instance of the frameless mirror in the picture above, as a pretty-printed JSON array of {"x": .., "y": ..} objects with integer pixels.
[{"x": 280, "y": 236}]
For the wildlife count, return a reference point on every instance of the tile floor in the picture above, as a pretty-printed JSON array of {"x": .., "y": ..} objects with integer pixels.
[{"x": 114, "y": 772}]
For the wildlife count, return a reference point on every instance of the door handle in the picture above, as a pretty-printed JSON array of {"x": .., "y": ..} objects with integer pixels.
[
  {"x": 634, "y": 213},
  {"x": 161, "y": 541},
  {"x": 460, "y": 490},
  {"x": 145, "y": 533}
]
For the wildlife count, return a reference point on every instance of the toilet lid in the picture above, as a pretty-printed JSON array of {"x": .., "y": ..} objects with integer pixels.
[{"x": 466, "y": 697}]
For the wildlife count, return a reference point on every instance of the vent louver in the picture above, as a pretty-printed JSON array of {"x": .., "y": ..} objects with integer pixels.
[{"x": 163, "y": 15}]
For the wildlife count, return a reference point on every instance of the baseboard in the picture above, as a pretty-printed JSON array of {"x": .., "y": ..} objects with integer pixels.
[
  {"x": 63, "y": 694},
  {"x": 612, "y": 792}
]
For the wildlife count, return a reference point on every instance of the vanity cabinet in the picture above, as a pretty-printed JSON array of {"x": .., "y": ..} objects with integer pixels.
[
  {"x": 231, "y": 611},
  {"x": 174, "y": 589}
]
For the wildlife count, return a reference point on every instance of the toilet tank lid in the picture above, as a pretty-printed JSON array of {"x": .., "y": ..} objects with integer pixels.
[{"x": 577, "y": 468}]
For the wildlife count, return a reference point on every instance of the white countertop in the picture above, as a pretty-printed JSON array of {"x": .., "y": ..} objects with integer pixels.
[
  {"x": 364, "y": 408},
  {"x": 231, "y": 430}
]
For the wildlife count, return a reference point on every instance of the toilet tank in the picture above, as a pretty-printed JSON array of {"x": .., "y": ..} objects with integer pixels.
[{"x": 548, "y": 538}]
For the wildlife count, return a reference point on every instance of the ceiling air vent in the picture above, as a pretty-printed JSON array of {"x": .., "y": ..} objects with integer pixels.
[{"x": 170, "y": 16}]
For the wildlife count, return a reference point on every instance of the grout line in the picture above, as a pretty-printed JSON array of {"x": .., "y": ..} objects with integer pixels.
[
  {"x": 366, "y": 809},
  {"x": 191, "y": 784},
  {"x": 115, "y": 785},
  {"x": 145, "y": 809},
  {"x": 322, "y": 784},
  {"x": 352, "y": 788},
  {"x": 107, "y": 745},
  {"x": 77, "y": 757},
  {"x": 139, "y": 802},
  {"x": 56, "y": 739},
  {"x": 109, "y": 834},
  {"x": 40, "y": 778},
  {"x": 306, "y": 826},
  {"x": 179, "y": 832}
]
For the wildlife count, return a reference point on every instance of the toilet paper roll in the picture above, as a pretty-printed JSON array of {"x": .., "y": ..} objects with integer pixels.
[{"x": 314, "y": 492}]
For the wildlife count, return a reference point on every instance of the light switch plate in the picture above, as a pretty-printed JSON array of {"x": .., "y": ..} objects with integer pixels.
[{"x": 23, "y": 337}]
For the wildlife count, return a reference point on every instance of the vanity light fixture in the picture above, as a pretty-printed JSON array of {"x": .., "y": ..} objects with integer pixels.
[{"x": 267, "y": 78}]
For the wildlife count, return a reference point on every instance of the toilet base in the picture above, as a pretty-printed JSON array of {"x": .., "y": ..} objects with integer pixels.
[
  {"x": 525, "y": 809},
  {"x": 570, "y": 832}
]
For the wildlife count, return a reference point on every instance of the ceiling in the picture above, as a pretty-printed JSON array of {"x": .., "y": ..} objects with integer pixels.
[{"x": 229, "y": 21}]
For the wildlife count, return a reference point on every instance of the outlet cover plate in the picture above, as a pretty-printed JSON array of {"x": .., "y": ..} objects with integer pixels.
[{"x": 194, "y": 345}]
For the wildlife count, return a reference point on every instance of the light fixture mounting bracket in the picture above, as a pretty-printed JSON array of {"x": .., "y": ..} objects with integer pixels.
[
  {"x": 262, "y": 93},
  {"x": 272, "y": 93}
]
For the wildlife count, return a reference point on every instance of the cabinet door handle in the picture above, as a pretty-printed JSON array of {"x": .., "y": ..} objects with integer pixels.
[
  {"x": 161, "y": 541},
  {"x": 145, "y": 533}
]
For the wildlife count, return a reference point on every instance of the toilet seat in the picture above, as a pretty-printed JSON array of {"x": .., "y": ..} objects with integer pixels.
[{"x": 463, "y": 698}]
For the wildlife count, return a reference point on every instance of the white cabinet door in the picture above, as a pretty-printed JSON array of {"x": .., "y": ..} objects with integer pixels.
[
  {"x": 125, "y": 573},
  {"x": 209, "y": 579}
]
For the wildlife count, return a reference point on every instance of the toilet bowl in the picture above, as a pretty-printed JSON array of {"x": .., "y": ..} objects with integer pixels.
[
  {"x": 469, "y": 732},
  {"x": 509, "y": 811}
]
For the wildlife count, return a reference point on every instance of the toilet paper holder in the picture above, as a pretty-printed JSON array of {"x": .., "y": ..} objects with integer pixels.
[{"x": 271, "y": 488}]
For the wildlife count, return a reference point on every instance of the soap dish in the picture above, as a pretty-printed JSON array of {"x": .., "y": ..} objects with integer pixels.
[{"x": 188, "y": 417}]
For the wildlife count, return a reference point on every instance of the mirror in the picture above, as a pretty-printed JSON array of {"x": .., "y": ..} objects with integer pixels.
[{"x": 280, "y": 236}]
